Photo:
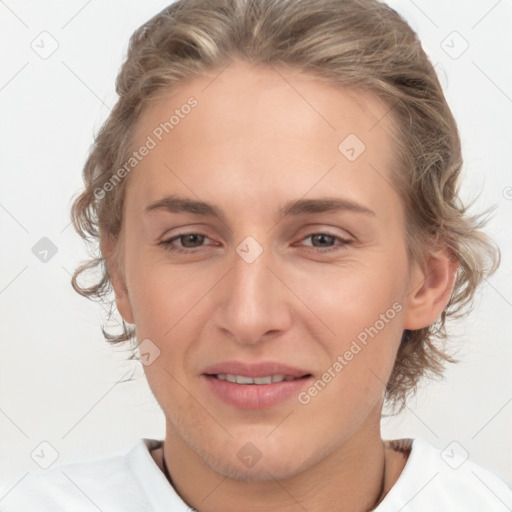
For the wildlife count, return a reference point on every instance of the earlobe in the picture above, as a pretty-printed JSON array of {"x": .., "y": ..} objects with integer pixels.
[
  {"x": 108, "y": 249},
  {"x": 431, "y": 290}
]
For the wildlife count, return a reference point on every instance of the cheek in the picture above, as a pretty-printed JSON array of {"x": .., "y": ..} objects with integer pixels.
[
  {"x": 360, "y": 307},
  {"x": 367, "y": 321},
  {"x": 352, "y": 298},
  {"x": 168, "y": 310},
  {"x": 162, "y": 296}
]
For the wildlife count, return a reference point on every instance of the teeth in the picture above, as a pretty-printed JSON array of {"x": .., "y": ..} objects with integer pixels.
[
  {"x": 262, "y": 380},
  {"x": 242, "y": 379}
]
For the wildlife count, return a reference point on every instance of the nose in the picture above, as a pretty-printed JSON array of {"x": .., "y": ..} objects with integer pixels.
[{"x": 255, "y": 303}]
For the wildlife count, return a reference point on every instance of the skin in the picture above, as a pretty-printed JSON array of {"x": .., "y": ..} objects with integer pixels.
[{"x": 257, "y": 139}]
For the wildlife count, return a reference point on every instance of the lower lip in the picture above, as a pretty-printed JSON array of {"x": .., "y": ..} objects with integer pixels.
[{"x": 255, "y": 396}]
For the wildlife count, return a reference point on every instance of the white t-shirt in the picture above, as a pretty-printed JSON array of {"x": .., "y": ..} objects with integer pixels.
[{"x": 134, "y": 483}]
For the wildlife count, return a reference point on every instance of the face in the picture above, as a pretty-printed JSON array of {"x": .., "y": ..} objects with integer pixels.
[{"x": 262, "y": 239}]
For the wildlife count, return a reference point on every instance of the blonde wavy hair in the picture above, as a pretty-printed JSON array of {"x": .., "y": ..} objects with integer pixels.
[{"x": 356, "y": 43}]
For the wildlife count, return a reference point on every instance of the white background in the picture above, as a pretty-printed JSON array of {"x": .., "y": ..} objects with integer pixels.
[{"x": 59, "y": 380}]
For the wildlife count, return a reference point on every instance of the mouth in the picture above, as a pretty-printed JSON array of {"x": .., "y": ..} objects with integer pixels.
[
  {"x": 243, "y": 379},
  {"x": 255, "y": 386}
]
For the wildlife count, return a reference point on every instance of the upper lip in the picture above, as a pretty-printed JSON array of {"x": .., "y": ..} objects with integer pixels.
[{"x": 261, "y": 369}]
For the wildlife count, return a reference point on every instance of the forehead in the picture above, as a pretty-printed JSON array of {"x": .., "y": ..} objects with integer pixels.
[{"x": 265, "y": 128}]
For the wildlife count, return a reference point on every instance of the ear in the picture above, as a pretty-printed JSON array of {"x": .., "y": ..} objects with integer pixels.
[
  {"x": 431, "y": 288},
  {"x": 108, "y": 246}
]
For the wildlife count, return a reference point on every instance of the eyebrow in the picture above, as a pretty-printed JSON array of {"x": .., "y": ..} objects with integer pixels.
[{"x": 178, "y": 204}]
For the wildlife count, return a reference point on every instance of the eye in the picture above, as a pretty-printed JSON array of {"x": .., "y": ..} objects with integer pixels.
[
  {"x": 325, "y": 242},
  {"x": 188, "y": 241}
]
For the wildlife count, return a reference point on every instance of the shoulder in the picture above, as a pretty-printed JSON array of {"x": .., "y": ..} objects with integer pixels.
[
  {"x": 105, "y": 484},
  {"x": 435, "y": 479}
]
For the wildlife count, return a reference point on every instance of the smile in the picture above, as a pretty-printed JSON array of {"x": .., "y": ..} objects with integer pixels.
[{"x": 242, "y": 379}]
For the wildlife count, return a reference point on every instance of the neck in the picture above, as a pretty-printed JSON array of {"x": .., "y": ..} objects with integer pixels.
[{"x": 355, "y": 476}]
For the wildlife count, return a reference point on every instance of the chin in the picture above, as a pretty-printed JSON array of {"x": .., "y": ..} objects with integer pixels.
[
  {"x": 271, "y": 461},
  {"x": 262, "y": 471}
]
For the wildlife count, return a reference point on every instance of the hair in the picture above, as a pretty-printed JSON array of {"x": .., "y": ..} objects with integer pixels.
[{"x": 360, "y": 44}]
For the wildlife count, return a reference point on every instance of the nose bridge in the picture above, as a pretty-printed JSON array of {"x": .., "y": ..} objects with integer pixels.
[{"x": 254, "y": 302}]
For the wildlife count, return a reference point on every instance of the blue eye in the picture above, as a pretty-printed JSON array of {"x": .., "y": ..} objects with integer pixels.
[
  {"x": 327, "y": 242},
  {"x": 189, "y": 242}
]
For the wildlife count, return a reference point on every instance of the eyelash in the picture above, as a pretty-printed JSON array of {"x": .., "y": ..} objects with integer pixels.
[{"x": 167, "y": 244}]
